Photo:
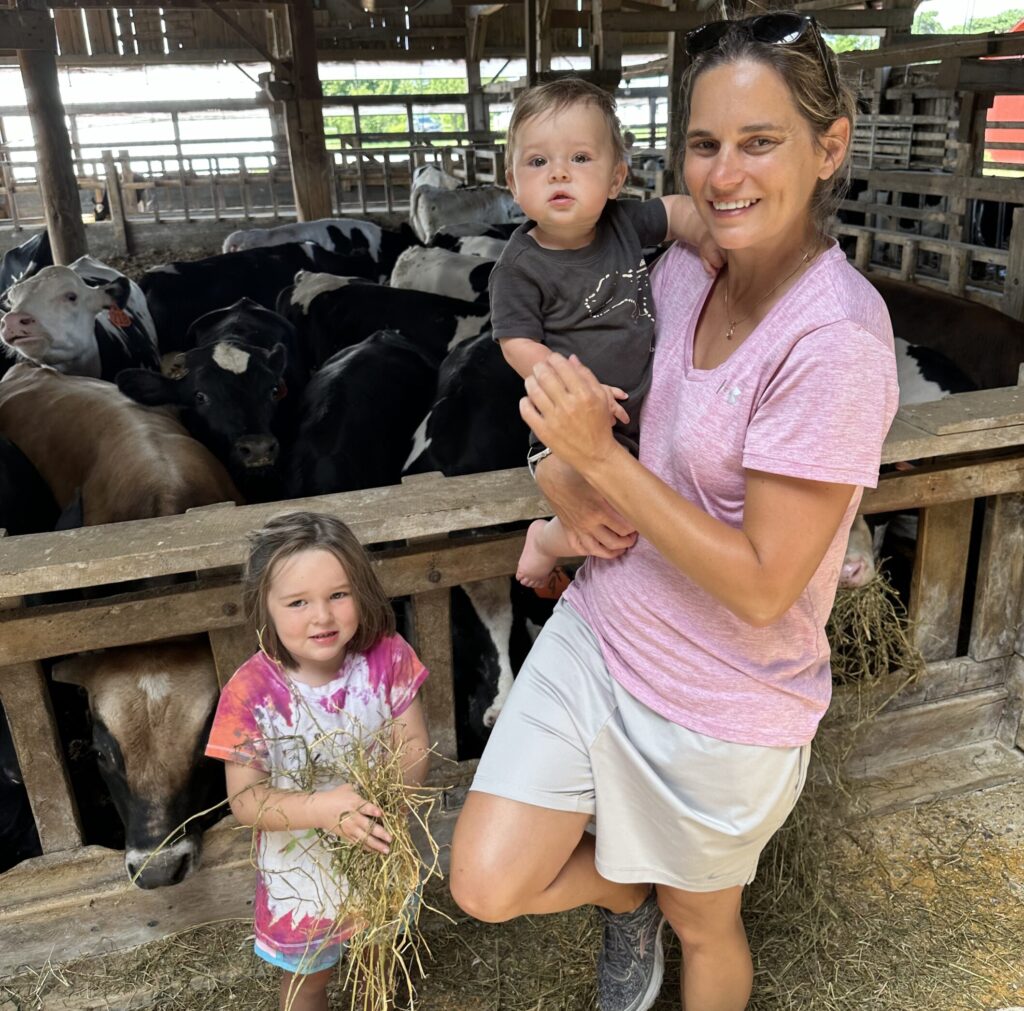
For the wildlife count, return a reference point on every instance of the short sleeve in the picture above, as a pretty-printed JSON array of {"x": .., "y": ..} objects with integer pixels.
[
  {"x": 515, "y": 304},
  {"x": 406, "y": 674},
  {"x": 236, "y": 735},
  {"x": 827, "y": 409},
  {"x": 648, "y": 217}
]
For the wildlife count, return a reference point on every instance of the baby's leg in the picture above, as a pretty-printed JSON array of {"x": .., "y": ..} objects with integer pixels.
[
  {"x": 305, "y": 992},
  {"x": 546, "y": 542}
]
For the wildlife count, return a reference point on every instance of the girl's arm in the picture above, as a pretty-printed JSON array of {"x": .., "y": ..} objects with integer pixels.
[
  {"x": 757, "y": 571},
  {"x": 410, "y": 733},
  {"x": 338, "y": 810}
]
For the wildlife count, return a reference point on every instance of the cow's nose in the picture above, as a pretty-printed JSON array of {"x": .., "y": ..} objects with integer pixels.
[
  {"x": 257, "y": 450},
  {"x": 855, "y": 572}
]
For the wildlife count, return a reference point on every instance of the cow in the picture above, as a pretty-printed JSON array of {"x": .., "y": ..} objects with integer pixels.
[
  {"x": 151, "y": 707},
  {"x": 332, "y": 313},
  {"x": 433, "y": 176},
  {"x": 444, "y": 273},
  {"x": 430, "y": 207},
  {"x": 19, "y": 839},
  {"x": 237, "y": 391},
  {"x": 343, "y": 236},
  {"x": 359, "y": 414},
  {"x": 93, "y": 445},
  {"x": 447, "y": 236},
  {"x": 484, "y": 246},
  {"x": 25, "y": 260},
  {"x": 84, "y": 320},
  {"x": 179, "y": 293}
]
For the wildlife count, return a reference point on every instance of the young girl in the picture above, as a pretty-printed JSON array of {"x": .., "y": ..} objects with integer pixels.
[{"x": 330, "y": 665}]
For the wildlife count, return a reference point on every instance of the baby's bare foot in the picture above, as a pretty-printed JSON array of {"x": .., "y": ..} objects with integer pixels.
[{"x": 535, "y": 564}]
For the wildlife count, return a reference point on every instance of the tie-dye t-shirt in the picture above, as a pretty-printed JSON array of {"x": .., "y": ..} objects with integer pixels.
[{"x": 267, "y": 720}]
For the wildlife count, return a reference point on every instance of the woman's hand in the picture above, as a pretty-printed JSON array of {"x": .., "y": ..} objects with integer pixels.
[
  {"x": 567, "y": 408},
  {"x": 602, "y": 531},
  {"x": 342, "y": 812}
]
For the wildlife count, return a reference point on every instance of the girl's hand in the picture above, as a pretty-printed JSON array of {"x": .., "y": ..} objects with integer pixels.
[
  {"x": 602, "y": 531},
  {"x": 346, "y": 815},
  {"x": 615, "y": 409},
  {"x": 567, "y": 408}
]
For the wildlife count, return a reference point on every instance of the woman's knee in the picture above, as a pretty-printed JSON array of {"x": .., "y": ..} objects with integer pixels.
[
  {"x": 702, "y": 919},
  {"x": 479, "y": 887}
]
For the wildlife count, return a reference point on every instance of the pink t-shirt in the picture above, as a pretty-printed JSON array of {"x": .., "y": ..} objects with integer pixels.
[{"x": 809, "y": 394}]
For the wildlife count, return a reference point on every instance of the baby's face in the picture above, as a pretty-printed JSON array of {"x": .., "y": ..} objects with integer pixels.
[{"x": 564, "y": 170}]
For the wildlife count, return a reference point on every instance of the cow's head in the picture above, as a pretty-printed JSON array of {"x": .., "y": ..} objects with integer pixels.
[
  {"x": 228, "y": 394},
  {"x": 52, "y": 318},
  {"x": 151, "y": 710}
]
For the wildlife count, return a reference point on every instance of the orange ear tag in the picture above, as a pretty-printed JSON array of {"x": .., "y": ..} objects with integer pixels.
[{"x": 119, "y": 317}]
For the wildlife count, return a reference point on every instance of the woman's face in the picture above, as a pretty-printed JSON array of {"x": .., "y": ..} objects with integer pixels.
[{"x": 751, "y": 160}]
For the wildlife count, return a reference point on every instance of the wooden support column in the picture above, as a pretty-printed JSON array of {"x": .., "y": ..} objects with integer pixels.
[
  {"x": 304, "y": 118},
  {"x": 476, "y": 107},
  {"x": 1014, "y": 290},
  {"x": 543, "y": 30},
  {"x": 57, "y": 183},
  {"x": 605, "y": 45},
  {"x": 997, "y": 601},
  {"x": 530, "y": 35},
  {"x": 678, "y": 61}
]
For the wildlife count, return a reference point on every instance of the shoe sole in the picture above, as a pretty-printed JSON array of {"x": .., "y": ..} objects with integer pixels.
[{"x": 650, "y": 995}]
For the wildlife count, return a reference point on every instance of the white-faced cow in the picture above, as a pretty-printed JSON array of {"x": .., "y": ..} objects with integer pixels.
[
  {"x": 456, "y": 275},
  {"x": 431, "y": 207},
  {"x": 237, "y": 391},
  {"x": 151, "y": 708},
  {"x": 90, "y": 442},
  {"x": 179, "y": 293},
  {"x": 359, "y": 414},
  {"x": 330, "y": 314},
  {"x": 84, "y": 320}
]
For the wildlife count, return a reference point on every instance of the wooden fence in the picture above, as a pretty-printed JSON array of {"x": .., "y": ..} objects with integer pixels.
[{"x": 957, "y": 728}]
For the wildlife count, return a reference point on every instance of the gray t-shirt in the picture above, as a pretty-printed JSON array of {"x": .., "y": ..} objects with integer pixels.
[{"x": 594, "y": 302}]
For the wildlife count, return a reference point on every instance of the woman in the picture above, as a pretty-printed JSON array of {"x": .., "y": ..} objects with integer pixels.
[{"x": 676, "y": 688}]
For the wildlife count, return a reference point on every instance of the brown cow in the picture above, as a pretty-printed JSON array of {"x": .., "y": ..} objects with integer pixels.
[{"x": 128, "y": 461}]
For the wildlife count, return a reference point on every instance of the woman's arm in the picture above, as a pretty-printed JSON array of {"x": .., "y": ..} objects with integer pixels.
[
  {"x": 757, "y": 571},
  {"x": 339, "y": 810}
]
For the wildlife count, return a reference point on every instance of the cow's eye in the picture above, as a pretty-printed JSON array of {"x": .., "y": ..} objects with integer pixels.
[
  {"x": 280, "y": 391},
  {"x": 71, "y": 296},
  {"x": 200, "y": 398}
]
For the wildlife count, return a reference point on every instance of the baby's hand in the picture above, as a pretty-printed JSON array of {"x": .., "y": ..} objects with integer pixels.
[
  {"x": 350, "y": 817},
  {"x": 617, "y": 411}
]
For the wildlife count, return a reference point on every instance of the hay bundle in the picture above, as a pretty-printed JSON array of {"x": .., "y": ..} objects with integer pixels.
[{"x": 381, "y": 890}]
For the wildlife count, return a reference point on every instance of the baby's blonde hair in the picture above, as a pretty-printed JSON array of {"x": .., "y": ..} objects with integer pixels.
[{"x": 554, "y": 96}]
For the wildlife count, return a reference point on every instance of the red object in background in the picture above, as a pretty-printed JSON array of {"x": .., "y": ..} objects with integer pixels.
[{"x": 1008, "y": 109}]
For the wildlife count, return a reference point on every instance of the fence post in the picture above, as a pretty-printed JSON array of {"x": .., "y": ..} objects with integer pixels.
[
  {"x": 1014, "y": 287},
  {"x": 115, "y": 201}
]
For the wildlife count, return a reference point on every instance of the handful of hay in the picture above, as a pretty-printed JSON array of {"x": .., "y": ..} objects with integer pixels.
[{"x": 381, "y": 891}]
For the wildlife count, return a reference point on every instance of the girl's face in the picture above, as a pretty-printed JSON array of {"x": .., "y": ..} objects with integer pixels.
[
  {"x": 313, "y": 612},
  {"x": 752, "y": 161}
]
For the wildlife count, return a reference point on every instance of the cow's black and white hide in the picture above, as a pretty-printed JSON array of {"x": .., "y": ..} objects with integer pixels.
[
  {"x": 442, "y": 272},
  {"x": 84, "y": 320},
  {"x": 179, "y": 293},
  {"x": 448, "y": 236},
  {"x": 25, "y": 260},
  {"x": 359, "y": 414},
  {"x": 237, "y": 391},
  {"x": 151, "y": 708},
  {"x": 332, "y": 313},
  {"x": 432, "y": 207}
]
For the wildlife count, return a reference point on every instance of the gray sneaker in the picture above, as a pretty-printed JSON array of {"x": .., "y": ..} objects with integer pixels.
[{"x": 631, "y": 965}]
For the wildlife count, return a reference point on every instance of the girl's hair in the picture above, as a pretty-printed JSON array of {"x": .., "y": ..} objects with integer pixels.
[
  {"x": 554, "y": 96},
  {"x": 800, "y": 65},
  {"x": 285, "y": 536}
]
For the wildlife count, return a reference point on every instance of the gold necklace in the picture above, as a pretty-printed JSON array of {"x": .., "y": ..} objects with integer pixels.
[{"x": 733, "y": 323}]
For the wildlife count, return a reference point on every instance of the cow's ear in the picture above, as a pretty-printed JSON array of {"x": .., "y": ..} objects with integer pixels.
[
  {"x": 278, "y": 358},
  {"x": 75, "y": 670},
  {"x": 148, "y": 387},
  {"x": 118, "y": 290}
]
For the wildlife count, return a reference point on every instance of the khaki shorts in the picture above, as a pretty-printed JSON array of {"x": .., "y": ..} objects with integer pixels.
[{"x": 671, "y": 806}]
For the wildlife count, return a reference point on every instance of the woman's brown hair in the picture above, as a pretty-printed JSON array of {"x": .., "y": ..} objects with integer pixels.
[
  {"x": 288, "y": 534},
  {"x": 799, "y": 64}
]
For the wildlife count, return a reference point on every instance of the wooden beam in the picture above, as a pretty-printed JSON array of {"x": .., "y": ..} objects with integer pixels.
[
  {"x": 58, "y": 185},
  {"x": 924, "y": 49},
  {"x": 258, "y": 44},
  {"x": 529, "y": 21},
  {"x": 1000, "y": 77},
  {"x": 26, "y": 29}
]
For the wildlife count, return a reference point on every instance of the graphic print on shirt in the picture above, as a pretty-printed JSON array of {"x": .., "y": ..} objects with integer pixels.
[{"x": 631, "y": 287}]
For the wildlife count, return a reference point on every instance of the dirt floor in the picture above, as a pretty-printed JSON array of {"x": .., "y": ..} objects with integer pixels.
[{"x": 921, "y": 910}]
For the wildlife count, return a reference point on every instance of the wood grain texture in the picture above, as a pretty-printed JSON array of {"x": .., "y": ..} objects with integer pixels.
[
  {"x": 997, "y": 601},
  {"x": 432, "y": 620}
]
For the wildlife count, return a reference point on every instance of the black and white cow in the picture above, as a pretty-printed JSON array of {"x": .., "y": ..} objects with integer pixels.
[
  {"x": 432, "y": 207},
  {"x": 19, "y": 839},
  {"x": 448, "y": 236},
  {"x": 343, "y": 236},
  {"x": 25, "y": 260},
  {"x": 331, "y": 313},
  {"x": 151, "y": 707},
  {"x": 179, "y": 293},
  {"x": 435, "y": 176},
  {"x": 456, "y": 275},
  {"x": 84, "y": 320},
  {"x": 359, "y": 414},
  {"x": 237, "y": 391}
]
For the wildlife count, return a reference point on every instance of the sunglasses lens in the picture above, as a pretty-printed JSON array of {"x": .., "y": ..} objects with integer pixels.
[
  {"x": 779, "y": 29},
  {"x": 706, "y": 37}
]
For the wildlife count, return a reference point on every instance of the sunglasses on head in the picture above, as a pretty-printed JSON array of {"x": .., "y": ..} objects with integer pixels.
[{"x": 781, "y": 29}]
